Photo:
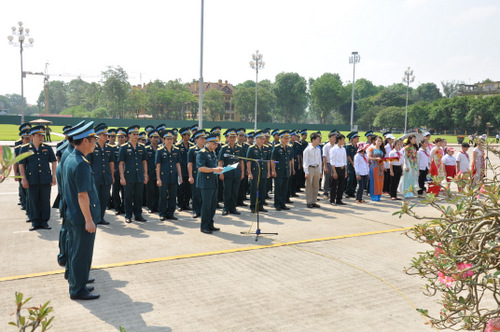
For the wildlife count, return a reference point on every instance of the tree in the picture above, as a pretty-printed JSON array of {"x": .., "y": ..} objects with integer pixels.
[
  {"x": 13, "y": 103},
  {"x": 450, "y": 88},
  {"x": 389, "y": 97},
  {"x": 77, "y": 112},
  {"x": 213, "y": 104},
  {"x": 390, "y": 117},
  {"x": 367, "y": 119},
  {"x": 92, "y": 96},
  {"x": 244, "y": 102},
  {"x": 136, "y": 102},
  {"x": 58, "y": 97},
  {"x": 157, "y": 99},
  {"x": 100, "y": 113},
  {"x": 418, "y": 115},
  {"x": 363, "y": 88},
  {"x": 115, "y": 87},
  {"x": 76, "y": 90},
  {"x": 428, "y": 92},
  {"x": 327, "y": 94},
  {"x": 291, "y": 96},
  {"x": 246, "y": 84}
]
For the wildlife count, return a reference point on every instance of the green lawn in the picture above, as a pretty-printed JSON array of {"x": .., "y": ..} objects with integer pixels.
[{"x": 11, "y": 133}]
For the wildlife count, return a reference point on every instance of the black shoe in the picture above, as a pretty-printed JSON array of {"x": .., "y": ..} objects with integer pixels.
[
  {"x": 34, "y": 228},
  {"x": 19, "y": 203},
  {"x": 341, "y": 203},
  {"x": 85, "y": 297},
  {"x": 278, "y": 209},
  {"x": 206, "y": 231},
  {"x": 262, "y": 210},
  {"x": 285, "y": 208},
  {"x": 61, "y": 263},
  {"x": 28, "y": 220},
  {"x": 163, "y": 218},
  {"x": 310, "y": 206},
  {"x": 225, "y": 213},
  {"x": 333, "y": 204},
  {"x": 218, "y": 206},
  {"x": 90, "y": 281},
  {"x": 289, "y": 202},
  {"x": 90, "y": 288},
  {"x": 214, "y": 229},
  {"x": 140, "y": 218},
  {"x": 117, "y": 213},
  {"x": 294, "y": 195},
  {"x": 186, "y": 208},
  {"x": 316, "y": 205},
  {"x": 196, "y": 215},
  {"x": 128, "y": 220},
  {"x": 242, "y": 204},
  {"x": 265, "y": 203},
  {"x": 235, "y": 212},
  {"x": 23, "y": 208},
  {"x": 103, "y": 222},
  {"x": 45, "y": 227},
  {"x": 171, "y": 218}
]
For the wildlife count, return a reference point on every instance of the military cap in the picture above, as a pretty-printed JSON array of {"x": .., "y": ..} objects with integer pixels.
[
  {"x": 149, "y": 128},
  {"x": 62, "y": 146},
  {"x": 37, "y": 130},
  {"x": 74, "y": 128},
  {"x": 133, "y": 129},
  {"x": 174, "y": 131},
  {"x": 185, "y": 131},
  {"x": 153, "y": 132},
  {"x": 386, "y": 133},
  {"x": 259, "y": 133},
  {"x": 285, "y": 133},
  {"x": 303, "y": 132},
  {"x": 267, "y": 132},
  {"x": 215, "y": 130},
  {"x": 193, "y": 128},
  {"x": 24, "y": 126},
  {"x": 276, "y": 132},
  {"x": 25, "y": 132},
  {"x": 250, "y": 134},
  {"x": 369, "y": 133},
  {"x": 230, "y": 132},
  {"x": 241, "y": 131},
  {"x": 352, "y": 134},
  {"x": 66, "y": 129},
  {"x": 294, "y": 133},
  {"x": 213, "y": 138},
  {"x": 160, "y": 127},
  {"x": 143, "y": 134},
  {"x": 121, "y": 131},
  {"x": 167, "y": 134},
  {"x": 84, "y": 131},
  {"x": 112, "y": 132},
  {"x": 199, "y": 133},
  {"x": 101, "y": 128}
]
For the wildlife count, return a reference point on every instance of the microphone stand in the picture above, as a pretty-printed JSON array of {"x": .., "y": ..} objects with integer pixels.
[{"x": 257, "y": 194}]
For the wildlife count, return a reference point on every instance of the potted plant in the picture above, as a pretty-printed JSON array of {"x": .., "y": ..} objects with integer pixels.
[{"x": 460, "y": 139}]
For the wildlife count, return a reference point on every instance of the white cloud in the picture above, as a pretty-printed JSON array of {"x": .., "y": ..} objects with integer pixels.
[{"x": 476, "y": 13}]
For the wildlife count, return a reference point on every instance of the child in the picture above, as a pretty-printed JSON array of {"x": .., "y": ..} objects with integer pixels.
[
  {"x": 395, "y": 169},
  {"x": 449, "y": 162},
  {"x": 362, "y": 170},
  {"x": 463, "y": 161}
]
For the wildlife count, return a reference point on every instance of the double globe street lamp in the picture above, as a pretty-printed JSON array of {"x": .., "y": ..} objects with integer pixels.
[
  {"x": 407, "y": 79},
  {"x": 21, "y": 33},
  {"x": 256, "y": 64},
  {"x": 354, "y": 58}
]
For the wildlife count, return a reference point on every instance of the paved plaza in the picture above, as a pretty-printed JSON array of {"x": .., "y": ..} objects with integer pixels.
[{"x": 328, "y": 269}]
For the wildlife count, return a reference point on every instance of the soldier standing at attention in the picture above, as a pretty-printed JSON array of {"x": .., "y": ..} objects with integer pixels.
[
  {"x": 118, "y": 190},
  {"x": 268, "y": 148},
  {"x": 152, "y": 190},
  {"x": 168, "y": 175},
  {"x": 206, "y": 181},
  {"x": 65, "y": 132},
  {"x": 250, "y": 138},
  {"x": 102, "y": 162},
  {"x": 133, "y": 174},
  {"x": 148, "y": 129},
  {"x": 233, "y": 178},
  {"x": 220, "y": 187},
  {"x": 242, "y": 193},
  {"x": 351, "y": 150},
  {"x": 38, "y": 176},
  {"x": 114, "y": 147},
  {"x": 199, "y": 137},
  {"x": 83, "y": 211},
  {"x": 184, "y": 194},
  {"x": 257, "y": 151},
  {"x": 281, "y": 158}
]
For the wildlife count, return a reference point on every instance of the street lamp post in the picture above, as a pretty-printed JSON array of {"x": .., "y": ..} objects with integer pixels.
[
  {"x": 408, "y": 78},
  {"x": 21, "y": 33},
  {"x": 354, "y": 58},
  {"x": 256, "y": 64},
  {"x": 200, "y": 88}
]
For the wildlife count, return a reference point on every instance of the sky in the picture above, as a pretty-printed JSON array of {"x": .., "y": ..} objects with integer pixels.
[{"x": 441, "y": 40}]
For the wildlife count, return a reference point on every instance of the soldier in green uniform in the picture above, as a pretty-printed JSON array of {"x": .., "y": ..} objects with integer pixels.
[
  {"x": 152, "y": 190},
  {"x": 220, "y": 193},
  {"x": 281, "y": 158},
  {"x": 296, "y": 146},
  {"x": 39, "y": 173},
  {"x": 227, "y": 156},
  {"x": 199, "y": 138},
  {"x": 184, "y": 193},
  {"x": 242, "y": 193},
  {"x": 83, "y": 212},
  {"x": 65, "y": 132},
  {"x": 24, "y": 126},
  {"x": 168, "y": 175},
  {"x": 118, "y": 193},
  {"x": 148, "y": 129},
  {"x": 268, "y": 148},
  {"x": 133, "y": 174},
  {"x": 257, "y": 183},
  {"x": 206, "y": 181},
  {"x": 351, "y": 150},
  {"x": 102, "y": 161}
]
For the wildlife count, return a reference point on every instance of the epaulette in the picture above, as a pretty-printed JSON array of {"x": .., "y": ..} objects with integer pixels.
[
  {"x": 178, "y": 143},
  {"x": 203, "y": 150},
  {"x": 140, "y": 144},
  {"x": 225, "y": 145},
  {"x": 238, "y": 144},
  {"x": 192, "y": 147},
  {"x": 251, "y": 146},
  {"x": 290, "y": 145},
  {"x": 88, "y": 162},
  {"x": 175, "y": 147},
  {"x": 124, "y": 144},
  {"x": 160, "y": 148},
  {"x": 25, "y": 145},
  {"x": 111, "y": 145}
]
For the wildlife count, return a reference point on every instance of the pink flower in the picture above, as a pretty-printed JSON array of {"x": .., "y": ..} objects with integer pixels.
[
  {"x": 482, "y": 190},
  {"x": 493, "y": 325},
  {"x": 439, "y": 251},
  {"x": 446, "y": 280},
  {"x": 464, "y": 266}
]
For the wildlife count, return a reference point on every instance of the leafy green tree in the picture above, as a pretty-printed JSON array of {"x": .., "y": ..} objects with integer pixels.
[
  {"x": 213, "y": 104},
  {"x": 136, "y": 102},
  {"x": 428, "y": 92},
  {"x": 367, "y": 119},
  {"x": 418, "y": 115},
  {"x": 13, "y": 103},
  {"x": 291, "y": 96},
  {"x": 363, "y": 88},
  {"x": 115, "y": 87},
  {"x": 58, "y": 97},
  {"x": 246, "y": 84},
  {"x": 244, "y": 101},
  {"x": 157, "y": 99},
  {"x": 440, "y": 113},
  {"x": 390, "y": 117},
  {"x": 76, "y": 90},
  {"x": 450, "y": 88},
  {"x": 389, "y": 97},
  {"x": 100, "y": 113},
  {"x": 400, "y": 89},
  {"x": 92, "y": 96},
  {"x": 77, "y": 112},
  {"x": 327, "y": 95}
]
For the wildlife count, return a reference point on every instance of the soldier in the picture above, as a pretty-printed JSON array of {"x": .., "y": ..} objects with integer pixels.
[
  {"x": 303, "y": 142},
  {"x": 25, "y": 139},
  {"x": 281, "y": 166},
  {"x": 351, "y": 150},
  {"x": 38, "y": 177},
  {"x": 296, "y": 146},
  {"x": 142, "y": 138},
  {"x": 102, "y": 162},
  {"x": 227, "y": 156},
  {"x": 176, "y": 133},
  {"x": 242, "y": 194},
  {"x": 220, "y": 194},
  {"x": 206, "y": 181},
  {"x": 168, "y": 175},
  {"x": 58, "y": 152},
  {"x": 148, "y": 129},
  {"x": 268, "y": 148},
  {"x": 118, "y": 193},
  {"x": 152, "y": 192},
  {"x": 199, "y": 137},
  {"x": 22, "y": 127},
  {"x": 184, "y": 194},
  {"x": 83, "y": 212},
  {"x": 276, "y": 137},
  {"x": 133, "y": 174},
  {"x": 250, "y": 138},
  {"x": 258, "y": 181},
  {"x": 114, "y": 147},
  {"x": 192, "y": 129}
]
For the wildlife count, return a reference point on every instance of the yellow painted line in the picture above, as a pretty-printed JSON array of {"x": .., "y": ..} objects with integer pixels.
[{"x": 211, "y": 253}]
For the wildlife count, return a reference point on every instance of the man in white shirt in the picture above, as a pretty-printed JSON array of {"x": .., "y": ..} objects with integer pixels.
[
  {"x": 338, "y": 161},
  {"x": 312, "y": 163},
  {"x": 332, "y": 138},
  {"x": 463, "y": 162},
  {"x": 424, "y": 165}
]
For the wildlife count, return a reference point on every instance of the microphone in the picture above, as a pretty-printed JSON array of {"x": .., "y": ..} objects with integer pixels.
[{"x": 229, "y": 155}]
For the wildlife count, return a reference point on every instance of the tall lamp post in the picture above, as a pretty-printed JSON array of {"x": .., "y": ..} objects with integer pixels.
[
  {"x": 256, "y": 64},
  {"x": 354, "y": 58},
  {"x": 21, "y": 33},
  {"x": 408, "y": 78},
  {"x": 200, "y": 88}
]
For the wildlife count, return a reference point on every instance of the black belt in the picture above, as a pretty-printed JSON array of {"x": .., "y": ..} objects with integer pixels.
[
  {"x": 340, "y": 167},
  {"x": 315, "y": 166}
]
